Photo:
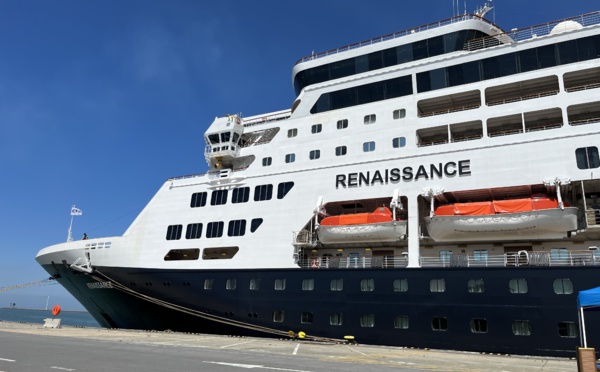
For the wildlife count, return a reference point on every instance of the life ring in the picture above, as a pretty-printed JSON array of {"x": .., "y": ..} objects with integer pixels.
[
  {"x": 314, "y": 264},
  {"x": 55, "y": 310}
]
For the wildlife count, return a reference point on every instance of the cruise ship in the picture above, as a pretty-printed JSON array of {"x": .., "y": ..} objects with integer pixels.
[{"x": 438, "y": 187}]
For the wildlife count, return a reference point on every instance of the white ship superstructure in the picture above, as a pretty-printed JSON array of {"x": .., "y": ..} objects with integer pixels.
[{"x": 477, "y": 146}]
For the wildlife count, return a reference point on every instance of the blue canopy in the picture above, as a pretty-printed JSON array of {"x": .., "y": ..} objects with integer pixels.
[{"x": 589, "y": 298}]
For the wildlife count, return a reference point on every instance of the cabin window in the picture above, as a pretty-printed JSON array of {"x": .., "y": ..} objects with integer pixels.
[
  {"x": 193, "y": 231},
  {"x": 290, "y": 158},
  {"x": 240, "y": 195},
  {"x": 587, "y": 157},
  {"x": 198, "y": 199},
  {"x": 214, "y": 229},
  {"x": 476, "y": 286},
  {"x": 341, "y": 150},
  {"x": 263, "y": 192},
  {"x": 174, "y": 232},
  {"x": 517, "y": 286},
  {"x": 398, "y": 142},
  {"x": 254, "y": 284},
  {"x": 370, "y": 119},
  {"x": 563, "y": 286},
  {"x": 342, "y": 124},
  {"x": 567, "y": 329},
  {"x": 479, "y": 326},
  {"x": 218, "y": 197},
  {"x": 401, "y": 322},
  {"x": 367, "y": 320},
  {"x": 336, "y": 285},
  {"x": 283, "y": 188},
  {"x": 182, "y": 254},
  {"x": 208, "y": 284},
  {"x": 292, "y": 132},
  {"x": 369, "y": 146},
  {"x": 437, "y": 285},
  {"x": 306, "y": 318},
  {"x": 480, "y": 255},
  {"x": 267, "y": 161},
  {"x": 316, "y": 128},
  {"x": 230, "y": 284},
  {"x": 314, "y": 154},
  {"x": 336, "y": 319},
  {"x": 399, "y": 114},
  {"x": 439, "y": 324},
  {"x": 367, "y": 285},
  {"x": 308, "y": 284},
  {"x": 236, "y": 228},
  {"x": 521, "y": 328},
  {"x": 280, "y": 284},
  {"x": 445, "y": 256},
  {"x": 400, "y": 285},
  {"x": 278, "y": 316},
  {"x": 256, "y": 222}
]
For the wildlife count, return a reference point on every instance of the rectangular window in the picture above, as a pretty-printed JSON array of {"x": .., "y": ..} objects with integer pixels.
[
  {"x": 342, "y": 124},
  {"x": 283, "y": 188},
  {"x": 367, "y": 285},
  {"x": 267, "y": 161},
  {"x": 290, "y": 158},
  {"x": 517, "y": 286},
  {"x": 479, "y": 326},
  {"x": 367, "y": 320},
  {"x": 240, "y": 195},
  {"x": 437, "y": 285},
  {"x": 218, "y": 197},
  {"x": 337, "y": 285},
  {"x": 341, "y": 150},
  {"x": 263, "y": 192},
  {"x": 182, "y": 254},
  {"x": 567, "y": 329},
  {"x": 369, "y": 146},
  {"x": 336, "y": 319},
  {"x": 208, "y": 284},
  {"x": 236, "y": 228},
  {"x": 214, "y": 229},
  {"x": 174, "y": 232},
  {"x": 314, "y": 154},
  {"x": 480, "y": 254},
  {"x": 587, "y": 157},
  {"x": 193, "y": 231},
  {"x": 308, "y": 284},
  {"x": 559, "y": 254},
  {"x": 439, "y": 324},
  {"x": 563, "y": 286},
  {"x": 278, "y": 316},
  {"x": 401, "y": 322},
  {"x": 254, "y": 284},
  {"x": 521, "y": 328},
  {"x": 316, "y": 128},
  {"x": 399, "y": 114},
  {"x": 280, "y": 284},
  {"x": 445, "y": 256},
  {"x": 398, "y": 142},
  {"x": 198, "y": 199},
  {"x": 370, "y": 119},
  {"x": 230, "y": 284},
  {"x": 476, "y": 286},
  {"x": 292, "y": 132},
  {"x": 306, "y": 318},
  {"x": 400, "y": 285}
]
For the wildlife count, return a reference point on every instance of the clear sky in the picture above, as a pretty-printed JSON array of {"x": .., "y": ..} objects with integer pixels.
[{"x": 102, "y": 101}]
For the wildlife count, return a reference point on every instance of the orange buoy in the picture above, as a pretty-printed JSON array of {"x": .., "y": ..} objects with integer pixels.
[{"x": 55, "y": 310}]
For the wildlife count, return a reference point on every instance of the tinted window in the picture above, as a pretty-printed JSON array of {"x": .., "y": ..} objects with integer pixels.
[
  {"x": 193, "y": 231},
  {"x": 236, "y": 228},
  {"x": 283, "y": 188},
  {"x": 174, "y": 232},
  {"x": 263, "y": 192},
  {"x": 240, "y": 195},
  {"x": 198, "y": 200},
  {"x": 214, "y": 229},
  {"x": 218, "y": 197}
]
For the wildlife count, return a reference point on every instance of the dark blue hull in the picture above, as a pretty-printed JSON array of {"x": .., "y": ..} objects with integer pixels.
[{"x": 453, "y": 319}]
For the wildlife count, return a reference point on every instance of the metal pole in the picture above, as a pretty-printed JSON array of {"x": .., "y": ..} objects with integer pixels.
[{"x": 582, "y": 324}]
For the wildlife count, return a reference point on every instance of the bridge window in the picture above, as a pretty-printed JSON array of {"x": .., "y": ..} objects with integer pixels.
[
  {"x": 214, "y": 229},
  {"x": 218, "y": 197},
  {"x": 236, "y": 228},
  {"x": 256, "y": 222},
  {"x": 283, "y": 188},
  {"x": 198, "y": 199},
  {"x": 174, "y": 232},
  {"x": 240, "y": 195},
  {"x": 263, "y": 192},
  {"x": 193, "y": 231}
]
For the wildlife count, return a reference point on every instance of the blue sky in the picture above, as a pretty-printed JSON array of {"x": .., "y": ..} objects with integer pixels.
[{"x": 102, "y": 101}]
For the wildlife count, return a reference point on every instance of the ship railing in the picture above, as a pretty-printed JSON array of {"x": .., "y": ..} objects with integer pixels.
[
  {"x": 584, "y": 121},
  {"x": 523, "y": 98},
  {"x": 269, "y": 118},
  {"x": 304, "y": 238},
  {"x": 506, "y": 132},
  {"x": 531, "y": 32},
  {"x": 395, "y": 35},
  {"x": 466, "y": 138},
  {"x": 354, "y": 262},
  {"x": 582, "y": 87},
  {"x": 449, "y": 111},
  {"x": 544, "y": 126}
]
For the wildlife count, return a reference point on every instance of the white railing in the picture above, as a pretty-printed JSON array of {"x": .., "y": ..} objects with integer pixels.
[{"x": 516, "y": 259}]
